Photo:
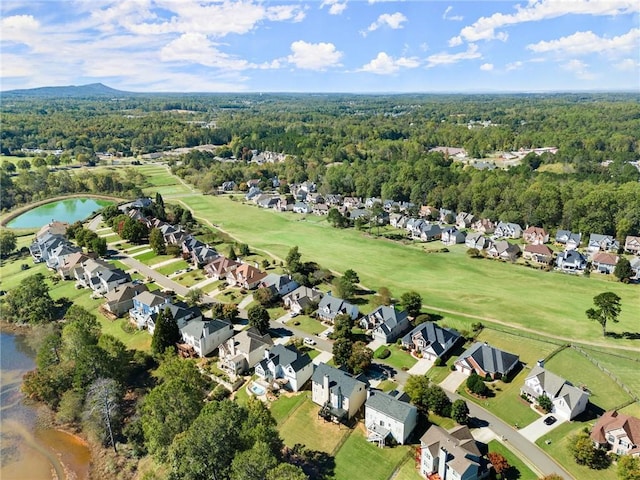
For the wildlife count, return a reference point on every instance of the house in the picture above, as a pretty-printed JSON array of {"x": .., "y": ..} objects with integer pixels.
[
  {"x": 504, "y": 251},
  {"x": 632, "y": 245},
  {"x": 427, "y": 211},
  {"x": 228, "y": 186},
  {"x": 508, "y": 230},
  {"x": 142, "y": 202},
  {"x": 202, "y": 255},
  {"x": 451, "y": 454},
  {"x": 69, "y": 263},
  {"x": 430, "y": 340},
  {"x": 42, "y": 245},
  {"x": 302, "y": 207},
  {"x": 245, "y": 276},
  {"x": 389, "y": 415},
  {"x": 414, "y": 226},
  {"x": 464, "y": 220},
  {"x": 453, "y": 236},
  {"x": 146, "y": 304},
  {"x": 568, "y": 401},
  {"x": 219, "y": 267},
  {"x": 339, "y": 393},
  {"x": 484, "y": 226},
  {"x": 57, "y": 252},
  {"x": 321, "y": 209},
  {"x": 180, "y": 312},
  {"x": 617, "y": 432},
  {"x": 538, "y": 253},
  {"x": 635, "y": 266},
  {"x": 54, "y": 227},
  {"x": 352, "y": 202},
  {"x": 279, "y": 284},
  {"x": 430, "y": 232},
  {"x": 189, "y": 244},
  {"x": 535, "y": 235},
  {"x": 386, "y": 323},
  {"x": 486, "y": 361},
  {"x": 398, "y": 220},
  {"x": 478, "y": 241},
  {"x": 330, "y": 307},
  {"x": 243, "y": 351},
  {"x": 267, "y": 201},
  {"x": 602, "y": 243},
  {"x": 357, "y": 213},
  {"x": 120, "y": 300},
  {"x": 302, "y": 299},
  {"x": 604, "y": 262},
  {"x": 252, "y": 193},
  {"x": 446, "y": 216},
  {"x": 571, "y": 261},
  {"x": 571, "y": 241},
  {"x": 286, "y": 365},
  {"x": 100, "y": 276},
  {"x": 204, "y": 336}
]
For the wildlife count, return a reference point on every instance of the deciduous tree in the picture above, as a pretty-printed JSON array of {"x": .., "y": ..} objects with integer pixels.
[
  {"x": 412, "y": 303},
  {"x": 259, "y": 318},
  {"x": 156, "y": 241},
  {"x": 7, "y": 242},
  {"x": 607, "y": 309},
  {"x": 500, "y": 464},
  {"x": 360, "y": 358},
  {"x": 460, "y": 412}
]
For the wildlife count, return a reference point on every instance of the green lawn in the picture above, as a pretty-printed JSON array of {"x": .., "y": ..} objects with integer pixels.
[
  {"x": 399, "y": 359},
  {"x": 11, "y": 273},
  {"x": 150, "y": 258},
  {"x": 132, "y": 249},
  {"x": 387, "y": 385},
  {"x": 358, "y": 456},
  {"x": 307, "y": 428},
  {"x": 285, "y": 405},
  {"x": 139, "y": 340},
  {"x": 307, "y": 324},
  {"x": 581, "y": 372},
  {"x": 408, "y": 471},
  {"x": 529, "y": 350},
  {"x": 172, "y": 267},
  {"x": 624, "y": 364},
  {"x": 120, "y": 265},
  {"x": 558, "y": 448},
  {"x": 189, "y": 279},
  {"x": 517, "y": 469},
  {"x": 516, "y": 295}
]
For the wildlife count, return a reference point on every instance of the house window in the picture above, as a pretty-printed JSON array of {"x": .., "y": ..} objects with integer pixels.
[
  {"x": 381, "y": 423},
  {"x": 611, "y": 439}
]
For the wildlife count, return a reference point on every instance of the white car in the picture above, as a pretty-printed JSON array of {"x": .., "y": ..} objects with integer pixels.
[
  {"x": 294, "y": 314},
  {"x": 309, "y": 341}
]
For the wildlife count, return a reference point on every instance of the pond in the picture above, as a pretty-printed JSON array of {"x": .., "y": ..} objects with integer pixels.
[{"x": 69, "y": 210}]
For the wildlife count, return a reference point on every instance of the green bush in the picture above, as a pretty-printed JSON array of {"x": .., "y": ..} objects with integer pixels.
[
  {"x": 476, "y": 385},
  {"x": 386, "y": 353},
  {"x": 439, "y": 362}
]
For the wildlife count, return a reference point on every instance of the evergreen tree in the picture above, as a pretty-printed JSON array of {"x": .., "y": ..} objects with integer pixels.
[{"x": 166, "y": 333}]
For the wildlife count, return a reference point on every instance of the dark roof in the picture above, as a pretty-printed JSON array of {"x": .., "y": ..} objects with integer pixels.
[
  {"x": 338, "y": 379},
  {"x": 289, "y": 355},
  {"x": 490, "y": 359},
  {"x": 204, "y": 328},
  {"x": 390, "y": 406},
  {"x": 440, "y": 339}
]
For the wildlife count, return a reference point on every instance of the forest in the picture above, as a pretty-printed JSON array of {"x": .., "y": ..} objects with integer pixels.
[{"x": 367, "y": 146}]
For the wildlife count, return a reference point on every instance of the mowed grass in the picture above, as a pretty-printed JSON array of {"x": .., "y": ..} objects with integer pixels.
[
  {"x": 517, "y": 469},
  {"x": 576, "y": 368},
  {"x": 550, "y": 303},
  {"x": 408, "y": 471},
  {"x": 529, "y": 350},
  {"x": 306, "y": 427},
  {"x": 307, "y": 324},
  {"x": 399, "y": 359},
  {"x": 172, "y": 267},
  {"x": 558, "y": 448},
  {"x": 189, "y": 279},
  {"x": 625, "y": 365},
  {"x": 11, "y": 273},
  {"x": 358, "y": 458},
  {"x": 285, "y": 405}
]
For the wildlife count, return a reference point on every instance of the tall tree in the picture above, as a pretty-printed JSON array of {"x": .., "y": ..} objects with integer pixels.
[
  {"x": 500, "y": 464},
  {"x": 623, "y": 270},
  {"x": 628, "y": 467},
  {"x": 460, "y": 412},
  {"x": 342, "y": 350},
  {"x": 29, "y": 302},
  {"x": 360, "y": 358},
  {"x": 259, "y": 318},
  {"x": 7, "y": 242},
  {"x": 194, "y": 296},
  {"x": 286, "y": 471},
  {"x": 103, "y": 409},
  {"x": 293, "y": 260},
  {"x": 253, "y": 464},
  {"x": 412, "y": 303},
  {"x": 166, "y": 333},
  {"x": 156, "y": 241},
  {"x": 607, "y": 309}
]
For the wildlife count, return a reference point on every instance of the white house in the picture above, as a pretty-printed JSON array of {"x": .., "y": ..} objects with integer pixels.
[
  {"x": 286, "y": 365},
  {"x": 145, "y": 304},
  {"x": 339, "y": 393},
  {"x": 204, "y": 336},
  {"x": 389, "y": 415},
  {"x": 568, "y": 401},
  {"x": 508, "y": 230},
  {"x": 243, "y": 351},
  {"x": 330, "y": 307},
  {"x": 302, "y": 298},
  {"x": 451, "y": 454},
  {"x": 571, "y": 261}
]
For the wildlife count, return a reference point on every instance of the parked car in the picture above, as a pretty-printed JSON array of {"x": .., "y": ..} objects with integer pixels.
[
  {"x": 550, "y": 420},
  {"x": 309, "y": 341},
  {"x": 294, "y": 314}
]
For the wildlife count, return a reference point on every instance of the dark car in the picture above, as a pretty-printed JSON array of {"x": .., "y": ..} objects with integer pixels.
[{"x": 550, "y": 420}]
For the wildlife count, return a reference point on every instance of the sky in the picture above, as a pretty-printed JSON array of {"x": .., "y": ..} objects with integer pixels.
[{"x": 352, "y": 46}]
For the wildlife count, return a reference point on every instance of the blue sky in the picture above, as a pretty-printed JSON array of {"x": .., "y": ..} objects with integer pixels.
[{"x": 357, "y": 46}]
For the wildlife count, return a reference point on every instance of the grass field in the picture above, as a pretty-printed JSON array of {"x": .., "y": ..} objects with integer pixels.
[
  {"x": 408, "y": 471},
  {"x": 399, "y": 359},
  {"x": 625, "y": 367},
  {"x": 496, "y": 290},
  {"x": 558, "y": 448},
  {"x": 517, "y": 469},
  {"x": 189, "y": 279},
  {"x": 358, "y": 456},
  {"x": 308, "y": 324},
  {"x": 11, "y": 273},
  {"x": 172, "y": 267},
  {"x": 285, "y": 405}
]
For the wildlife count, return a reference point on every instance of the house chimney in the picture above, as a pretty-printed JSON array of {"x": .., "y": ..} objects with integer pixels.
[
  {"x": 540, "y": 363},
  {"x": 325, "y": 389},
  {"x": 442, "y": 463}
]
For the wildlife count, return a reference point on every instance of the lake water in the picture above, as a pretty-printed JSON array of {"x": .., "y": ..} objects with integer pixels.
[
  {"x": 29, "y": 450},
  {"x": 70, "y": 210}
]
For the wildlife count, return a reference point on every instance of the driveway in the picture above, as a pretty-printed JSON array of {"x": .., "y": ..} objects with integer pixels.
[
  {"x": 324, "y": 357},
  {"x": 453, "y": 381},
  {"x": 537, "y": 429},
  {"x": 421, "y": 367}
]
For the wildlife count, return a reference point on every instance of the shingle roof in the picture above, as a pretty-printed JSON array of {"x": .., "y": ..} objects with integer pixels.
[
  {"x": 338, "y": 379},
  {"x": 440, "y": 339},
  {"x": 490, "y": 359},
  {"x": 613, "y": 420},
  {"x": 390, "y": 406},
  {"x": 204, "y": 328},
  {"x": 289, "y": 355}
]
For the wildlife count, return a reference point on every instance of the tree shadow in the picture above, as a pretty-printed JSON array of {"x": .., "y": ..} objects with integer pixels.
[
  {"x": 624, "y": 335},
  {"x": 315, "y": 464},
  {"x": 511, "y": 473}
]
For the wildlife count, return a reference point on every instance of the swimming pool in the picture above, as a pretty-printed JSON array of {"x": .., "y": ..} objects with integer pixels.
[{"x": 257, "y": 389}]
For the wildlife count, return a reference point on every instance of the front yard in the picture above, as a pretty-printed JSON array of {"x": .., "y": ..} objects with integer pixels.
[
  {"x": 399, "y": 359},
  {"x": 307, "y": 324}
]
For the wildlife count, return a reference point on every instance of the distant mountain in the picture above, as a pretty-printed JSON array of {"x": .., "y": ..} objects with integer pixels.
[{"x": 79, "y": 91}]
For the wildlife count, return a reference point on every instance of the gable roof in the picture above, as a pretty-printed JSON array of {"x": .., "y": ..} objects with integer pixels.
[
  {"x": 287, "y": 355},
  {"x": 438, "y": 338},
  {"x": 605, "y": 258},
  {"x": 538, "y": 250},
  {"x": 390, "y": 406},
  {"x": 125, "y": 292},
  {"x": 151, "y": 299},
  {"x": 389, "y": 316},
  {"x": 334, "y": 305},
  {"x": 462, "y": 449},
  {"x": 340, "y": 381},
  {"x": 250, "y": 339},
  {"x": 556, "y": 386},
  {"x": 204, "y": 328},
  {"x": 613, "y": 420},
  {"x": 490, "y": 359}
]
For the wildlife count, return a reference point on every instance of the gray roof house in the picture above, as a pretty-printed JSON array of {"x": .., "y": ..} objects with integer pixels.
[
  {"x": 204, "y": 336},
  {"x": 120, "y": 300},
  {"x": 330, "y": 307},
  {"x": 508, "y": 230},
  {"x": 453, "y": 236},
  {"x": 430, "y": 340},
  {"x": 243, "y": 351},
  {"x": 571, "y": 261},
  {"x": 486, "y": 361},
  {"x": 602, "y": 243},
  {"x": 279, "y": 284},
  {"x": 571, "y": 241},
  {"x": 389, "y": 415},
  {"x": 568, "y": 401},
  {"x": 339, "y": 393},
  {"x": 285, "y": 365},
  {"x": 430, "y": 232},
  {"x": 387, "y": 323},
  {"x": 478, "y": 241},
  {"x": 302, "y": 298},
  {"x": 451, "y": 454}
]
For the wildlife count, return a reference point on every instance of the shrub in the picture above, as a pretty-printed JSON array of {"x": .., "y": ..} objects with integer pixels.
[
  {"x": 453, "y": 368},
  {"x": 439, "y": 362},
  {"x": 129, "y": 327},
  {"x": 220, "y": 393},
  {"x": 476, "y": 385},
  {"x": 386, "y": 353}
]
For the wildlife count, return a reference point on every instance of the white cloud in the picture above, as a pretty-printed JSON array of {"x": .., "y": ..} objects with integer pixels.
[
  {"x": 314, "y": 56},
  {"x": 514, "y": 66},
  {"x": 444, "y": 58},
  {"x": 455, "y": 18},
  {"x": 582, "y": 43},
  {"x": 384, "y": 64},
  {"x": 336, "y": 7},
  {"x": 455, "y": 41},
  {"x": 424, "y": 46},
  {"x": 19, "y": 29},
  {"x": 579, "y": 69},
  {"x": 196, "y": 48},
  {"x": 391, "y": 20},
  {"x": 486, "y": 67},
  {"x": 628, "y": 65},
  {"x": 485, "y": 27}
]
